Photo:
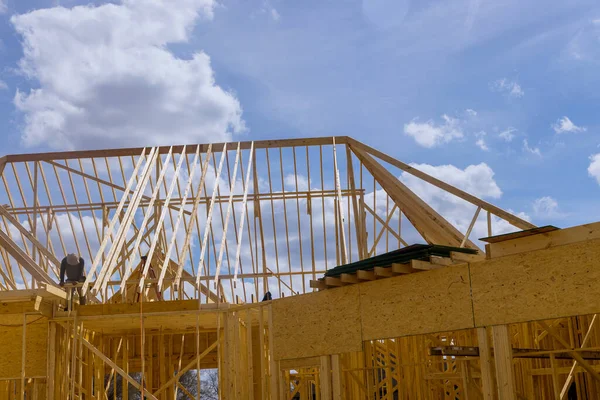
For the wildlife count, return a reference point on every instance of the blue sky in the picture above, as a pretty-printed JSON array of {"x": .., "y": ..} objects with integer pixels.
[{"x": 512, "y": 84}]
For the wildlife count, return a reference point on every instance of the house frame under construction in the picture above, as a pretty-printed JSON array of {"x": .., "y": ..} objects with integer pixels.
[{"x": 183, "y": 243}]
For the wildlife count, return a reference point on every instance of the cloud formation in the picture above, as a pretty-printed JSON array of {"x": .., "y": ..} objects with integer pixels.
[
  {"x": 564, "y": 125},
  {"x": 546, "y": 207},
  {"x": 532, "y": 150},
  {"x": 3, "y": 7},
  {"x": 428, "y": 134},
  {"x": 508, "y": 87},
  {"x": 477, "y": 180},
  {"x": 594, "y": 168},
  {"x": 107, "y": 79},
  {"x": 508, "y": 134}
]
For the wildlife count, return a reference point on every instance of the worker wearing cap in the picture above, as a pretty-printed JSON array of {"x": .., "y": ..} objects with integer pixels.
[{"x": 73, "y": 266}]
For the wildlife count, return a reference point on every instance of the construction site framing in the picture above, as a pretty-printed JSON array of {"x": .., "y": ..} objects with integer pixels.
[{"x": 183, "y": 244}]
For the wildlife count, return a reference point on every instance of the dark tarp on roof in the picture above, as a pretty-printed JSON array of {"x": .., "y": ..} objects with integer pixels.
[{"x": 400, "y": 256}]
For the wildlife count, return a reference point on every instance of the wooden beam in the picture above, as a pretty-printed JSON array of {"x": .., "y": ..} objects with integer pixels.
[
  {"x": 565, "y": 388},
  {"x": 485, "y": 362},
  {"x": 4, "y": 212},
  {"x": 383, "y": 271},
  {"x": 24, "y": 259},
  {"x": 431, "y": 225},
  {"x": 187, "y": 367},
  {"x": 423, "y": 265},
  {"x": 259, "y": 144},
  {"x": 331, "y": 281},
  {"x": 584, "y": 364},
  {"x": 108, "y": 234},
  {"x": 114, "y": 366},
  {"x": 366, "y": 275},
  {"x": 514, "y": 220},
  {"x": 503, "y": 362},
  {"x": 349, "y": 278}
]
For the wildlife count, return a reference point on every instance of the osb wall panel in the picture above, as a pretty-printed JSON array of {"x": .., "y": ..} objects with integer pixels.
[
  {"x": 326, "y": 322},
  {"x": 11, "y": 331},
  {"x": 412, "y": 304},
  {"x": 543, "y": 284}
]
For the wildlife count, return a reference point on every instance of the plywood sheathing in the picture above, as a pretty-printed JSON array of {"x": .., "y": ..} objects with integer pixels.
[
  {"x": 11, "y": 333},
  {"x": 327, "y": 323},
  {"x": 538, "y": 285},
  {"x": 410, "y": 305},
  {"x": 543, "y": 284}
]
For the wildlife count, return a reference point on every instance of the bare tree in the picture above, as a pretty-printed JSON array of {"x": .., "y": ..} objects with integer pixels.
[{"x": 209, "y": 385}]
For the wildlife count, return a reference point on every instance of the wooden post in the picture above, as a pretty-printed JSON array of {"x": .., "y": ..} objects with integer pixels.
[
  {"x": 51, "y": 360},
  {"x": 274, "y": 365},
  {"x": 336, "y": 378},
  {"x": 485, "y": 360},
  {"x": 325, "y": 380},
  {"x": 23, "y": 356},
  {"x": 503, "y": 361}
]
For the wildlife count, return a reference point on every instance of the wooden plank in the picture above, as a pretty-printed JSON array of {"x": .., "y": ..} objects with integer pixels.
[
  {"x": 23, "y": 355},
  {"x": 331, "y": 281},
  {"x": 503, "y": 363},
  {"x": 210, "y": 214},
  {"x": 366, "y": 275},
  {"x": 383, "y": 271},
  {"x": 314, "y": 324},
  {"x": 227, "y": 216},
  {"x": 485, "y": 364},
  {"x": 4, "y": 212},
  {"x": 349, "y": 278},
  {"x": 336, "y": 377},
  {"x": 325, "y": 377},
  {"x": 118, "y": 369},
  {"x": 107, "y": 236},
  {"x": 180, "y": 217},
  {"x": 259, "y": 144},
  {"x": 519, "y": 234},
  {"x": 540, "y": 241},
  {"x": 161, "y": 218},
  {"x": 244, "y": 211},
  {"x": 411, "y": 304},
  {"x": 24, "y": 259}
]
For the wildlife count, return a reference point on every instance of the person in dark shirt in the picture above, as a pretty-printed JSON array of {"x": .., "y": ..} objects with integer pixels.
[{"x": 73, "y": 266}]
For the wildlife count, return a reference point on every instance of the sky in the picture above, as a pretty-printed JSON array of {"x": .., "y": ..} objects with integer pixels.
[{"x": 497, "y": 97}]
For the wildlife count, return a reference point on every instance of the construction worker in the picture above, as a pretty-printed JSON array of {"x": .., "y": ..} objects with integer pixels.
[{"x": 73, "y": 265}]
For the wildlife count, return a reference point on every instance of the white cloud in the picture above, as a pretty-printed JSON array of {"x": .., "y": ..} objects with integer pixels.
[
  {"x": 594, "y": 168},
  {"x": 475, "y": 179},
  {"x": 480, "y": 142},
  {"x": 507, "y": 134},
  {"x": 564, "y": 124},
  {"x": 470, "y": 112},
  {"x": 532, "y": 150},
  {"x": 546, "y": 207},
  {"x": 482, "y": 145},
  {"x": 508, "y": 87},
  {"x": 3, "y": 85},
  {"x": 268, "y": 9},
  {"x": 106, "y": 77},
  {"x": 428, "y": 134}
]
